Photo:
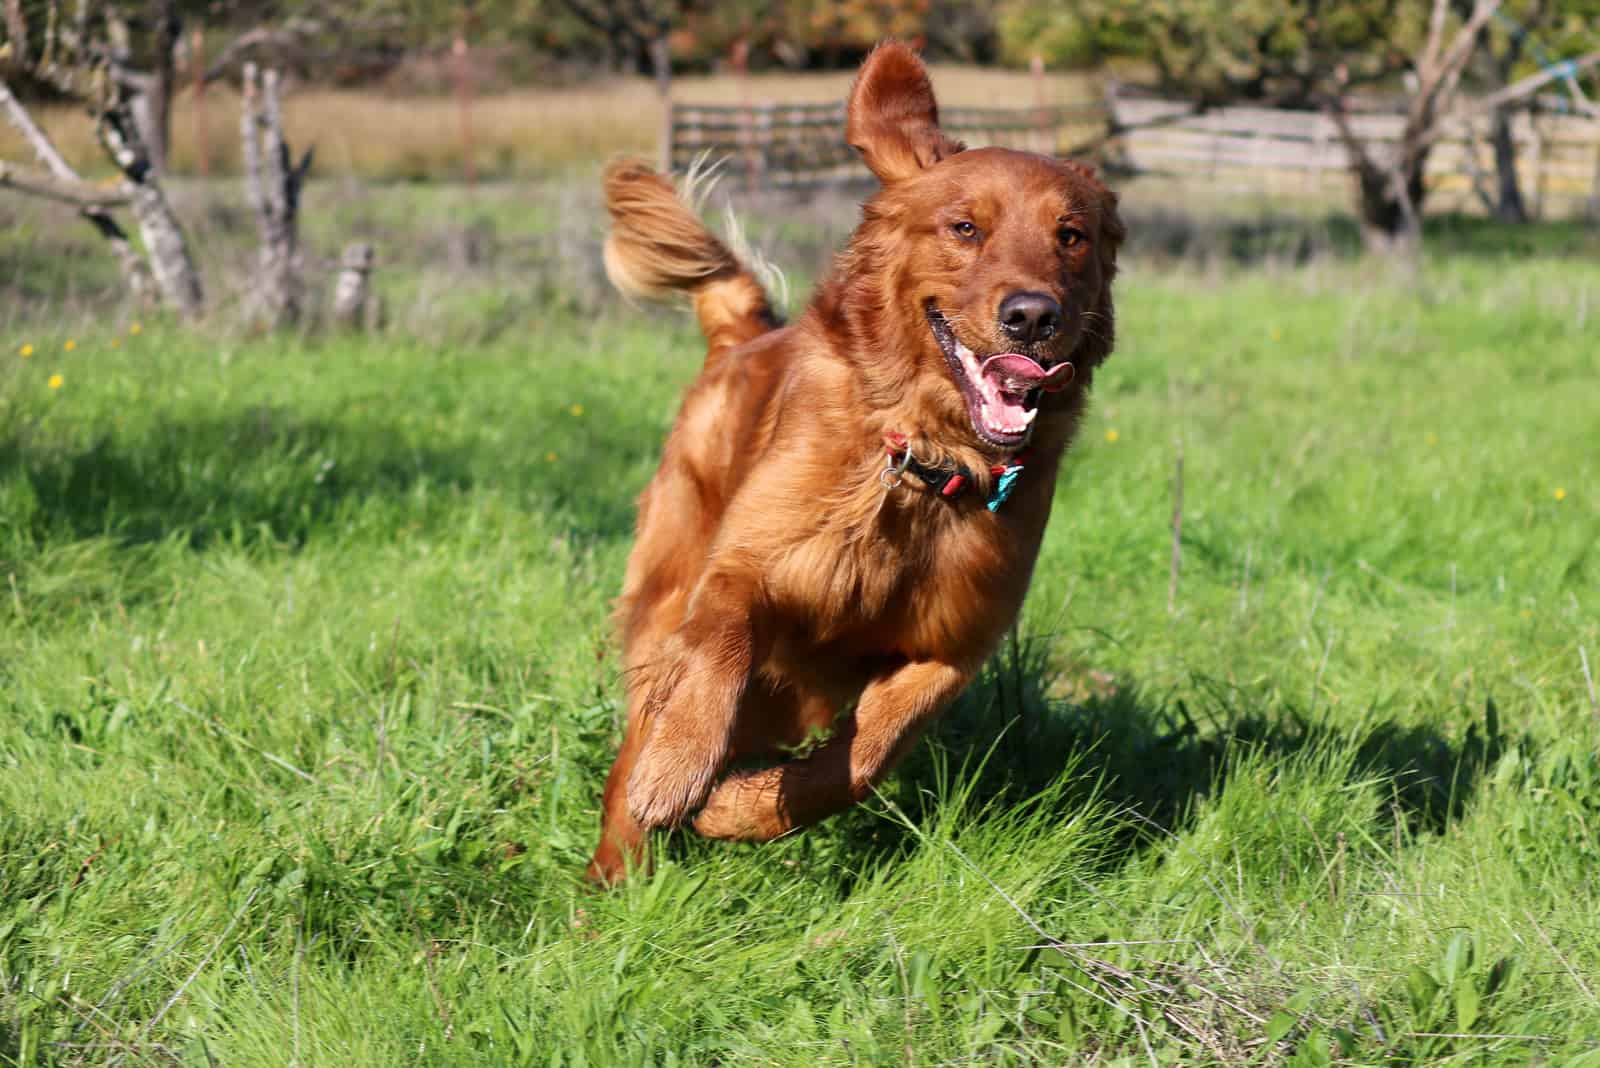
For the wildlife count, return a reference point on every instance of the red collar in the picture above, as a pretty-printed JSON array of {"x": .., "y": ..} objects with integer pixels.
[{"x": 949, "y": 481}]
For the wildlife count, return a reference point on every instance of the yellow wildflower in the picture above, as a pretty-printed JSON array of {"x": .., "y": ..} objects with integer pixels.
[
  {"x": 134, "y": 328},
  {"x": 549, "y": 457},
  {"x": 1433, "y": 439},
  {"x": 576, "y": 409},
  {"x": 70, "y": 345},
  {"x": 1112, "y": 435},
  {"x": 116, "y": 342},
  {"x": 25, "y": 351},
  {"x": 1277, "y": 334},
  {"x": 55, "y": 381},
  {"x": 1560, "y": 494}
]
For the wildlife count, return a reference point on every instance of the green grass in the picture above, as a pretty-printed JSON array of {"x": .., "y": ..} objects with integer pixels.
[{"x": 307, "y": 691}]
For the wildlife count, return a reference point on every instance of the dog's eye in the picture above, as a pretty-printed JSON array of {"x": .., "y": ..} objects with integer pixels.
[
  {"x": 964, "y": 229},
  {"x": 1071, "y": 236}
]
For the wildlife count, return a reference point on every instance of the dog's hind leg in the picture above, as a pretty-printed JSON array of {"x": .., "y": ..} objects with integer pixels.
[{"x": 894, "y": 708}]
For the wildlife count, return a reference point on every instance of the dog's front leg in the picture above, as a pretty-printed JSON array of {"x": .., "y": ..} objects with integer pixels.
[
  {"x": 691, "y": 711},
  {"x": 891, "y": 714}
]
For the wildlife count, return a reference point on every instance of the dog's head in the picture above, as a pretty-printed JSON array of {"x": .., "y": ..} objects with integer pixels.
[{"x": 1002, "y": 260}]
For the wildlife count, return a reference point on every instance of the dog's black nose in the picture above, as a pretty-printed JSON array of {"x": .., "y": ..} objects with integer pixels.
[{"x": 1030, "y": 316}]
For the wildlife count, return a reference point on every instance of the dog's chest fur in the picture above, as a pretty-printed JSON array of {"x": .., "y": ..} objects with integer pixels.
[{"x": 910, "y": 576}]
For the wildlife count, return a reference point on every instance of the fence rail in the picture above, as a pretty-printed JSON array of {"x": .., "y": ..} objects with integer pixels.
[
  {"x": 800, "y": 146},
  {"x": 1558, "y": 156},
  {"x": 796, "y": 146}
]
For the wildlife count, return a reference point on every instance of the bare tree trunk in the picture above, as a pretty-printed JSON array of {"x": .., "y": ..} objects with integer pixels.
[
  {"x": 1505, "y": 202},
  {"x": 272, "y": 184},
  {"x": 174, "y": 270},
  {"x": 1391, "y": 204},
  {"x": 1389, "y": 192},
  {"x": 1509, "y": 205},
  {"x": 150, "y": 98}
]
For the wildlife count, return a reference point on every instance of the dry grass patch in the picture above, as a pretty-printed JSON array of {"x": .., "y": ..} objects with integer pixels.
[{"x": 370, "y": 134}]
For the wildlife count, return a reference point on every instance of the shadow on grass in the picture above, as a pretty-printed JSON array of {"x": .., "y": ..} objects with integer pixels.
[
  {"x": 260, "y": 474},
  {"x": 267, "y": 475},
  {"x": 1151, "y": 760}
]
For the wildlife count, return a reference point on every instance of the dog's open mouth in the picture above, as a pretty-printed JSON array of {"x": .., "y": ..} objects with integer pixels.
[{"x": 1001, "y": 390}]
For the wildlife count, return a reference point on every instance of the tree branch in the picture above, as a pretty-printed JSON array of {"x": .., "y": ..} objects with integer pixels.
[
  {"x": 1435, "y": 40},
  {"x": 656, "y": 22},
  {"x": 1448, "y": 73},
  {"x": 42, "y": 148},
  {"x": 44, "y": 184},
  {"x": 594, "y": 20},
  {"x": 1517, "y": 90},
  {"x": 134, "y": 272},
  {"x": 294, "y": 36},
  {"x": 1357, "y": 148},
  {"x": 1438, "y": 69}
]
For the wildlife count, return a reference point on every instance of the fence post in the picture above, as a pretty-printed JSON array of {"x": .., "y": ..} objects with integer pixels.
[
  {"x": 352, "y": 294},
  {"x": 740, "y": 59},
  {"x": 197, "y": 65},
  {"x": 667, "y": 135},
  {"x": 1114, "y": 124},
  {"x": 1319, "y": 142},
  {"x": 763, "y": 140},
  {"x": 661, "y": 61},
  {"x": 1592, "y": 209},
  {"x": 1536, "y": 150},
  {"x": 463, "y": 73},
  {"x": 690, "y": 122},
  {"x": 1036, "y": 70}
]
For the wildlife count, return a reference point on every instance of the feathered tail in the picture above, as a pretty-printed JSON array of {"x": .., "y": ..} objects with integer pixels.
[{"x": 658, "y": 246}]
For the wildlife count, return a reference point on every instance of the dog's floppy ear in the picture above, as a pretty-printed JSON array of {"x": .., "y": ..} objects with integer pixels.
[{"x": 893, "y": 120}]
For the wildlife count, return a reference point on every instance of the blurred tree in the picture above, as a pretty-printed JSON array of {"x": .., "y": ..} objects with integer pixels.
[
  {"x": 94, "y": 56},
  {"x": 141, "y": 43},
  {"x": 1526, "y": 36},
  {"x": 1305, "y": 53},
  {"x": 636, "y": 31},
  {"x": 1216, "y": 51}
]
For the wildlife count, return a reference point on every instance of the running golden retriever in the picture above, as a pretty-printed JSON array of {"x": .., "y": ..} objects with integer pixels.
[{"x": 848, "y": 508}]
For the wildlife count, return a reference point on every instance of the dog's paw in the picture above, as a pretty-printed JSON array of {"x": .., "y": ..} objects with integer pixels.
[
  {"x": 670, "y": 781},
  {"x": 743, "y": 807}
]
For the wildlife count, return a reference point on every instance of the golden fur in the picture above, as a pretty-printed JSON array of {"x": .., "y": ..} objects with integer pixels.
[{"x": 774, "y": 581}]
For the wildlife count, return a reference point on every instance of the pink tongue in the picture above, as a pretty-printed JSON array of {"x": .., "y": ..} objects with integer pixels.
[{"x": 1014, "y": 373}]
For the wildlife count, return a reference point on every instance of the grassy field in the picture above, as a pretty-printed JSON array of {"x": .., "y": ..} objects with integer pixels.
[{"x": 307, "y": 688}]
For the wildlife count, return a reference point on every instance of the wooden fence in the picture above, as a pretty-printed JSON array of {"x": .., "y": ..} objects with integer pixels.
[
  {"x": 1266, "y": 149},
  {"x": 802, "y": 146},
  {"x": 798, "y": 146}
]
